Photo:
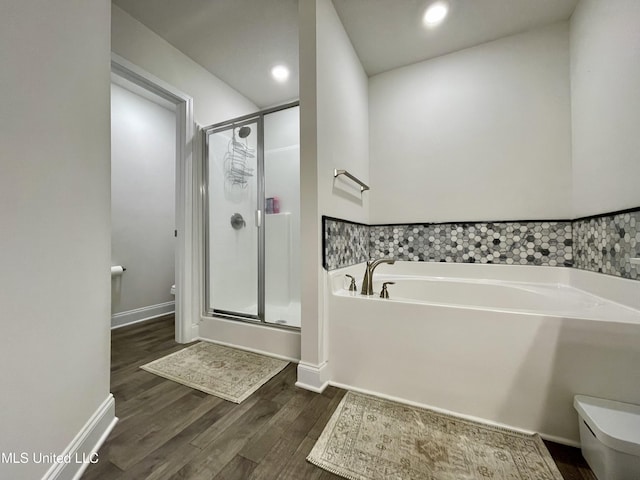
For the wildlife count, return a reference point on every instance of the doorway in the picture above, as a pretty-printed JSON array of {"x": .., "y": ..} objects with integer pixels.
[{"x": 123, "y": 70}]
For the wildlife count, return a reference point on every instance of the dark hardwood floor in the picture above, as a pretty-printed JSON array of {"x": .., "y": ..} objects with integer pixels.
[{"x": 169, "y": 431}]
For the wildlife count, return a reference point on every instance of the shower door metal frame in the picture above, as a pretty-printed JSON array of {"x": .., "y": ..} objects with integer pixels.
[
  {"x": 258, "y": 119},
  {"x": 259, "y": 207}
]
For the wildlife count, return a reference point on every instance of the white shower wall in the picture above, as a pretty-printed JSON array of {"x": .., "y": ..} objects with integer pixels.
[
  {"x": 143, "y": 152},
  {"x": 282, "y": 231}
]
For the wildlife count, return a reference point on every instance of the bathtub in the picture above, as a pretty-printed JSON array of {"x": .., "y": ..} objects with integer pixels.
[{"x": 504, "y": 344}]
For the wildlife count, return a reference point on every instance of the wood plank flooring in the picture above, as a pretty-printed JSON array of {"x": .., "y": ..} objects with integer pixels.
[{"x": 169, "y": 431}]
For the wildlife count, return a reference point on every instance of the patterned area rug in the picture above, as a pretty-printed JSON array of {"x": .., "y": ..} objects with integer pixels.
[
  {"x": 218, "y": 370},
  {"x": 369, "y": 438}
]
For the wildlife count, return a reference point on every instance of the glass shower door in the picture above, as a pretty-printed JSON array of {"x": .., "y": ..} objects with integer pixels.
[
  {"x": 252, "y": 218},
  {"x": 233, "y": 234}
]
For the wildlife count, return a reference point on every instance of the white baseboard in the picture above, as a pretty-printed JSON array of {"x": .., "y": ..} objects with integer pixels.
[
  {"x": 130, "y": 317},
  {"x": 195, "y": 331},
  {"x": 84, "y": 447},
  {"x": 313, "y": 377},
  {"x": 560, "y": 440}
]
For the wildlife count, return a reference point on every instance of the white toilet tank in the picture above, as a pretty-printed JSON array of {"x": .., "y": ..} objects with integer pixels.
[{"x": 610, "y": 437}]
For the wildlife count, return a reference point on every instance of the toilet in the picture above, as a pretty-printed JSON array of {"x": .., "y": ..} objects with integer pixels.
[
  {"x": 609, "y": 437},
  {"x": 173, "y": 290}
]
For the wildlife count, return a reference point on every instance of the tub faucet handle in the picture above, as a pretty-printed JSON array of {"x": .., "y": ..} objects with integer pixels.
[
  {"x": 352, "y": 286},
  {"x": 385, "y": 293}
]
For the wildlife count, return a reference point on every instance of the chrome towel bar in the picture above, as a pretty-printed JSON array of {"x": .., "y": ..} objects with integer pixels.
[{"x": 363, "y": 186}]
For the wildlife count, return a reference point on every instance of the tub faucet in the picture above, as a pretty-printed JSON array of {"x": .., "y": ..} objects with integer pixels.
[{"x": 367, "y": 281}]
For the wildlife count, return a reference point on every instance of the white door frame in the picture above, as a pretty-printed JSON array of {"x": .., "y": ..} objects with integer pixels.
[{"x": 186, "y": 317}]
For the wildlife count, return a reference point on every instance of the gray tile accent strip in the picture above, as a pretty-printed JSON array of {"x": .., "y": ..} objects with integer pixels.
[
  {"x": 530, "y": 243},
  {"x": 345, "y": 243},
  {"x": 603, "y": 243}
]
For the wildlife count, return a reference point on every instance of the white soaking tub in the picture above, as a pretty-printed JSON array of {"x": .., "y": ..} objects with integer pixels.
[{"x": 505, "y": 344}]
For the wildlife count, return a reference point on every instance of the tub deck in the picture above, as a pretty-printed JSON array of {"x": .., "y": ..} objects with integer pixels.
[{"x": 553, "y": 299}]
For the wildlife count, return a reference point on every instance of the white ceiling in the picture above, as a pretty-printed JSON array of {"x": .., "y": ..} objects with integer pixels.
[
  {"x": 387, "y": 34},
  {"x": 240, "y": 41}
]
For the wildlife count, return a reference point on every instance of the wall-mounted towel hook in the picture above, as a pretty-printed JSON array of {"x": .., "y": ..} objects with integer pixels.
[{"x": 117, "y": 270}]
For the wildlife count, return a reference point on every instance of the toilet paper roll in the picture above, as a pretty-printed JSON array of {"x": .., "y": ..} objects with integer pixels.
[{"x": 117, "y": 270}]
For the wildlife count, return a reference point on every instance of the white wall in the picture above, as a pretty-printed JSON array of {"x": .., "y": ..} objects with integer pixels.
[
  {"x": 214, "y": 100},
  {"x": 310, "y": 242},
  {"x": 480, "y": 134},
  {"x": 334, "y": 134},
  {"x": 143, "y": 164},
  {"x": 605, "y": 74},
  {"x": 343, "y": 119},
  {"x": 54, "y": 205}
]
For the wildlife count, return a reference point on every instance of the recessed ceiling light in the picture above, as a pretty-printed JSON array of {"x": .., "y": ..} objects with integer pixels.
[
  {"x": 435, "y": 13},
  {"x": 280, "y": 73}
]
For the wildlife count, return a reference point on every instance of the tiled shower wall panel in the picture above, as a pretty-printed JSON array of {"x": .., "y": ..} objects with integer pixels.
[
  {"x": 605, "y": 244},
  {"x": 515, "y": 243}
]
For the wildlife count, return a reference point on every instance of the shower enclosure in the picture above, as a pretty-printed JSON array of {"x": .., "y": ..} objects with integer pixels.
[{"x": 252, "y": 218}]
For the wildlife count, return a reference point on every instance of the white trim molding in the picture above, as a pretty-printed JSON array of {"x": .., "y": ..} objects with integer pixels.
[
  {"x": 195, "y": 331},
  {"x": 313, "y": 377},
  {"x": 138, "y": 315},
  {"x": 260, "y": 338},
  {"x": 186, "y": 245},
  {"x": 84, "y": 447}
]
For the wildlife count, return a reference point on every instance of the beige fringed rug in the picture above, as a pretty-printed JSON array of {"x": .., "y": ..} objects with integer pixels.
[
  {"x": 369, "y": 438},
  {"x": 222, "y": 371}
]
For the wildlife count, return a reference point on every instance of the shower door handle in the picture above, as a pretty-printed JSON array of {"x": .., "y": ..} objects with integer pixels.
[{"x": 258, "y": 218}]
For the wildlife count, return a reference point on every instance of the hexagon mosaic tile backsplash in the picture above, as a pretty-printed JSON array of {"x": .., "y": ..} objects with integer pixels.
[
  {"x": 605, "y": 244},
  {"x": 600, "y": 244},
  {"x": 529, "y": 243},
  {"x": 345, "y": 243}
]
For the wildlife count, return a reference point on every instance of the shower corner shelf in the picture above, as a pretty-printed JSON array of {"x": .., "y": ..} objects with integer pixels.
[{"x": 363, "y": 186}]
